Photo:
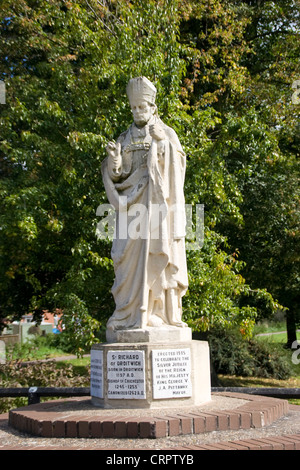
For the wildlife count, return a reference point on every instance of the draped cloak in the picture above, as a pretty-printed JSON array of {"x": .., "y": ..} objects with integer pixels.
[{"x": 148, "y": 249}]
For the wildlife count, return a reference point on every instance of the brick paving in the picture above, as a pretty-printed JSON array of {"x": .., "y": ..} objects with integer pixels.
[{"x": 48, "y": 420}]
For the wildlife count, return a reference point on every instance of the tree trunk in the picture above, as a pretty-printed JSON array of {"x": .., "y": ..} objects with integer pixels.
[{"x": 291, "y": 328}]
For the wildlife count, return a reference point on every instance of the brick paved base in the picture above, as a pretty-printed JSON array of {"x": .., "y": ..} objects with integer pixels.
[{"x": 44, "y": 421}]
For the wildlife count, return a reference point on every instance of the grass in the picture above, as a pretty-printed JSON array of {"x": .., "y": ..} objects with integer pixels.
[
  {"x": 34, "y": 350},
  {"x": 269, "y": 327},
  {"x": 78, "y": 362},
  {"x": 260, "y": 382},
  {"x": 274, "y": 338}
]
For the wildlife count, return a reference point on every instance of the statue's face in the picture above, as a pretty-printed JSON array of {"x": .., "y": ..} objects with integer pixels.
[{"x": 142, "y": 111}]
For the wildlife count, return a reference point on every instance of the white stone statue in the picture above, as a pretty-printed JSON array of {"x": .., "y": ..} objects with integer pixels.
[{"x": 143, "y": 176}]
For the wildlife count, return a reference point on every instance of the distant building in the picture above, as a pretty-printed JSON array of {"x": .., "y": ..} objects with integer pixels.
[{"x": 20, "y": 331}]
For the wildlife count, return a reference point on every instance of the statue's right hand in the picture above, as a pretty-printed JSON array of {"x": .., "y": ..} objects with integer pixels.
[{"x": 114, "y": 151}]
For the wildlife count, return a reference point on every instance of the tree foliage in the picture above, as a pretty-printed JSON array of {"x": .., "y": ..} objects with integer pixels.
[{"x": 224, "y": 73}]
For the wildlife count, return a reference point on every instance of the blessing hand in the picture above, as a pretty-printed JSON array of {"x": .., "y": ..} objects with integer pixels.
[{"x": 114, "y": 152}]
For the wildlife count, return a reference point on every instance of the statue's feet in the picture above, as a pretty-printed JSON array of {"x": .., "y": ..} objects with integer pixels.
[
  {"x": 179, "y": 323},
  {"x": 155, "y": 321}
]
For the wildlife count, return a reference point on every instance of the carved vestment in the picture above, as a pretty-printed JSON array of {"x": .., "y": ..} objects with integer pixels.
[{"x": 149, "y": 256}]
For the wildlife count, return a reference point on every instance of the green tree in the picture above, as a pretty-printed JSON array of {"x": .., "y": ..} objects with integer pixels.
[
  {"x": 66, "y": 66},
  {"x": 265, "y": 156},
  {"x": 244, "y": 58},
  {"x": 52, "y": 134}
]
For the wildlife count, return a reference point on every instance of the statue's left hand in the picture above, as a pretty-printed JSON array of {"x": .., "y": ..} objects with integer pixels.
[{"x": 157, "y": 132}]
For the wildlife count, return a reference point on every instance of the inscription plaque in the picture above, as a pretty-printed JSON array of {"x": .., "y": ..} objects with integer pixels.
[
  {"x": 96, "y": 373},
  {"x": 171, "y": 369},
  {"x": 126, "y": 375}
]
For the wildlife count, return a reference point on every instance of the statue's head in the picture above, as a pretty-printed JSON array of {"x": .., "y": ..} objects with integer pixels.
[{"x": 141, "y": 94}]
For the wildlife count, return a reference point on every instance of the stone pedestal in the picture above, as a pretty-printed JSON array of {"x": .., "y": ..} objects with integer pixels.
[
  {"x": 162, "y": 334},
  {"x": 152, "y": 368}
]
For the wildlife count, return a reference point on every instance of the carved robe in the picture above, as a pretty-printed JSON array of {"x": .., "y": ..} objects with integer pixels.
[{"x": 148, "y": 250}]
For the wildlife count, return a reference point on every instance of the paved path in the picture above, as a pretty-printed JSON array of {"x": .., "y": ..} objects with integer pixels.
[{"x": 274, "y": 333}]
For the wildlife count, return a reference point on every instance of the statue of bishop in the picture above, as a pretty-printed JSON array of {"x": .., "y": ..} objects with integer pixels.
[{"x": 143, "y": 175}]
